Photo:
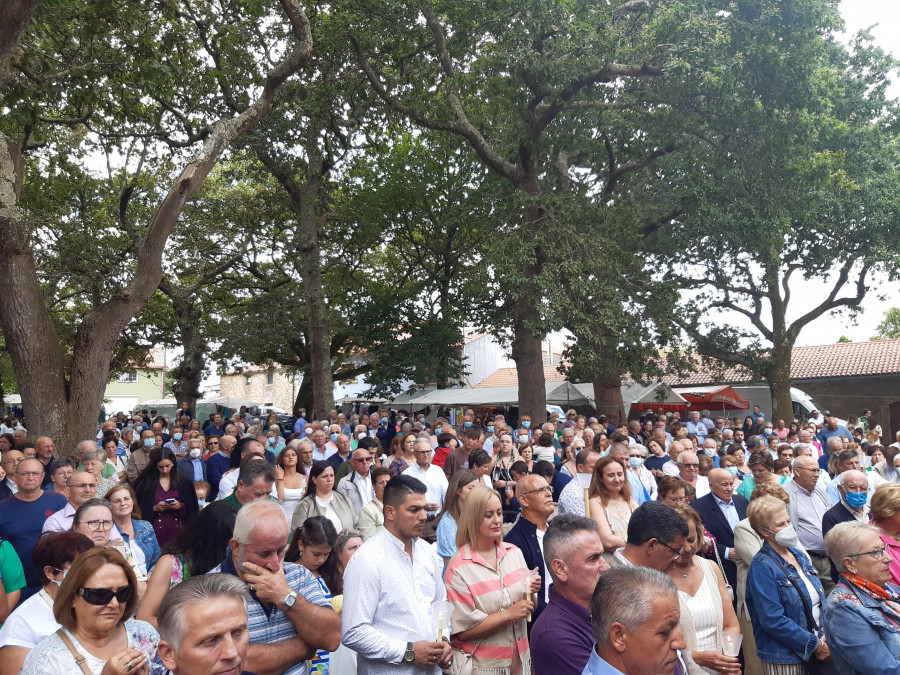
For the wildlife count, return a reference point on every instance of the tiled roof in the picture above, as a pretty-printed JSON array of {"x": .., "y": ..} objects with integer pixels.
[
  {"x": 844, "y": 359},
  {"x": 507, "y": 377}
]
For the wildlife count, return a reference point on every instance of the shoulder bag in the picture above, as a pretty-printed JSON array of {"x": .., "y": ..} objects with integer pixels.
[
  {"x": 79, "y": 657},
  {"x": 722, "y": 570}
]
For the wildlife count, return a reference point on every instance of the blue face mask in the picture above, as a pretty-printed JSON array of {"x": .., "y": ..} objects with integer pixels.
[
  {"x": 149, "y": 442},
  {"x": 272, "y": 440},
  {"x": 177, "y": 437},
  {"x": 467, "y": 424},
  {"x": 732, "y": 470},
  {"x": 856, "y": 500},
  {"x": 491, "y": 429},
  {"x": 333, "y": 437},
  {"x": 526, "y": 424},
  {"x": 637, "y": 461}
]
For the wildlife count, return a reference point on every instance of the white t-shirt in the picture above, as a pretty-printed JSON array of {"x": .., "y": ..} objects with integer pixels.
[
  {"x": 541, "y": 453},
  {"x": 30, "y": 623},
  {"x": 330, "y": 513},
  {"x": 545, "y": 582}
]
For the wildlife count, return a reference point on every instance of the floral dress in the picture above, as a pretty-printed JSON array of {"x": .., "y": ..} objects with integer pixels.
[{"x": 319, "y": 664}]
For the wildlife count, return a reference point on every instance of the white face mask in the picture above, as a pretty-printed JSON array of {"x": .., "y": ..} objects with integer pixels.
[
  {"x": 786, "y": 537},
  {"x": 523, "y": 439},
  {"x": 195, "y": 453}
]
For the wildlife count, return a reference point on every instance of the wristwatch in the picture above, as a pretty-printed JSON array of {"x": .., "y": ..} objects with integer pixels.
[
  {"x": 410, "y": 655},
  {"x": 289, "y": 601}
]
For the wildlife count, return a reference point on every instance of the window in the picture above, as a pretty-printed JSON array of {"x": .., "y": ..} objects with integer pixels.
[
  {"x": 247, "y": 380},
  {"x": 270, "y": 378},
  {"x": 130, "y": 377}
]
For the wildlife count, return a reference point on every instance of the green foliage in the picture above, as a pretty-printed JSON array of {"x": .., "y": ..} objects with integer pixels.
[{"x": 889, "y": 328}]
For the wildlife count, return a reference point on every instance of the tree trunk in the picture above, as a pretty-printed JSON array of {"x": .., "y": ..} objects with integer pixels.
[
  {"x": 189, "y": 372},
  {"x": 779, "y": 379},
  {"x": 608, "y": 398},
  {"x": 66, "y": 408},
  {"x": 304, "y": 397},
  {"x": 529, "y": 358},
  {"x": 309, "y": 265}
]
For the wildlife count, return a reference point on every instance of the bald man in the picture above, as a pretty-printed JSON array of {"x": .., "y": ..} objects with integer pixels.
[
  {"x": 721, "y": 511},
  {"x": 536, "y": 499}
]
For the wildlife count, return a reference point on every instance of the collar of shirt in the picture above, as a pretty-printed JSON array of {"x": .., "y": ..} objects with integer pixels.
[{"x": 723, "y": 503}]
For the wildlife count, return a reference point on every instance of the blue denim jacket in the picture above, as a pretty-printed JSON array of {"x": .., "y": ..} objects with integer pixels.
[
  {"x": 862, "y": 634},
  {"x": 146, "y": 539},
  {"x": 776, "y": 609}
]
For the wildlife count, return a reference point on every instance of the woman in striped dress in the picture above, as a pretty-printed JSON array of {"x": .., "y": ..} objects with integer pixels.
[{"x": 485, "y": 582}]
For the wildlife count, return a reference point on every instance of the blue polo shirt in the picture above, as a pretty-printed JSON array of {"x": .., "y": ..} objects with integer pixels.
[
  {"x": 21, "y": 523},
  {"x": 561, "y": 639},
  {"x": 269, "y": 625}
]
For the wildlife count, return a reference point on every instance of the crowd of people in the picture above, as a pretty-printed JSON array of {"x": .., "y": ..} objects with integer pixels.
[{"x": 377, "y": 542}]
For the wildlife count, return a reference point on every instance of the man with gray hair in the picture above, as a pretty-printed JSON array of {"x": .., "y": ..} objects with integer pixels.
[
  {"x": 356, "y": 486},
  {"x": 832, "y": 446},
  {"x": 289, "y": 617},
  {"x": 561, "y": 639},
  {"x": 634, "y": 617},
  {"x": 203, "y": 626}
]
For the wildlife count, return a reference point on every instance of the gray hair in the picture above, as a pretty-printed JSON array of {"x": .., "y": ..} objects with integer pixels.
[
  {"x": 559, "y": 540},
  {"x": 84, "y": 446},
  {"x": 623, "y": 596},
  {"x": 201, "y": 589},
  {"x": 834, "y": 442},
  {"x": 89, "y": 504},
  {"x": 642, "y": 449},
  {"x": 343, "y": 538},
  {"x": 252, "y": 515},
  {"x": 93, "y": 454},
  {"x": 843, "y": 540},
  {"x": 756, "y": 442},
  {"x": 256, "y": 468},
  {"x": 802, "y": 446},
  {"x": 275, "y": 427},
  {"x": 424, "y": 442}
]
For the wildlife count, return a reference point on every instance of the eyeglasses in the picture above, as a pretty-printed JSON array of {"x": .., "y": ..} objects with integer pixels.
[
  {"x": 102, "y": 596},
  {"x": 689, "y": 465},
  {"x": 94, "y": 525},
  {"x": 80, "y": 486},
  {"x": 546, "y": 490},
  {"x": 678, "y": 553},
  {"x": 363, "y": 459},
  {"x": 877, "y": 553}
]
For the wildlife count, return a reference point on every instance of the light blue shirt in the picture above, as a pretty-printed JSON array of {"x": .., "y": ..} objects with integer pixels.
[
  {"x": 729, "y": 510},
  {"x": 638, "y": 493},
  {"x": 198, "y": 469},
  {"x": 597, "y": 666}
]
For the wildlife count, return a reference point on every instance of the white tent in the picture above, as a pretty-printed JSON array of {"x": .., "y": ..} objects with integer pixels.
[{"x": 564, "y": 394}]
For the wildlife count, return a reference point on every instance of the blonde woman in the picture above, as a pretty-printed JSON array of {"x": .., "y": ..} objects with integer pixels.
[
  {"x": 486, "y": 583},
  {"x": 611, "y": 504}
]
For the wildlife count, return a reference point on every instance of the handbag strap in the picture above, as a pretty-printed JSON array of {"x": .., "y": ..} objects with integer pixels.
[
  {"x": 721, "y": 566},
  {"x": 79, "y": 657},
  {"x": 811, "y": 624}
]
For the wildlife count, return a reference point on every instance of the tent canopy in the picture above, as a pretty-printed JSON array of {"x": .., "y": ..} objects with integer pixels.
[
  {"x": 721, "y": 397},
  {"x": 563, "y": 394},
  {"x": 659, "y": 396}
]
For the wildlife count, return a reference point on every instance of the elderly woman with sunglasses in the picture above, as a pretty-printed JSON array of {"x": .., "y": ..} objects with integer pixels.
[
  {"x": 94, "y": 606},
  {"x": 862, "y": 614}
]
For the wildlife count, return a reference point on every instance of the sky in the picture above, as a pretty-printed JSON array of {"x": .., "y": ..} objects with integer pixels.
[{"x": 859, "y": 14}]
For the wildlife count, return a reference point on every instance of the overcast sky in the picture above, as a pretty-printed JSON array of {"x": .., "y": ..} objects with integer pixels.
[{"x": 858, "y": 14}]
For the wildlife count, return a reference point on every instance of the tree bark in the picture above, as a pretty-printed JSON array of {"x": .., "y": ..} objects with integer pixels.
[
  {"x": 304, "y": 397},
  {"x": 529, "y": 358},
  {"x": 779, "y": 380},
  {"x": 304, "y": 198},
  {"x": 608, "y": 398},
  {"x": 189, "y": 373},
  {"x": 65, "y": 408}
]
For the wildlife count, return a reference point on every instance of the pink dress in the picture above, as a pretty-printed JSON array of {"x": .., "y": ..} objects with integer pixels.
[{"x": 893, "y": 547}]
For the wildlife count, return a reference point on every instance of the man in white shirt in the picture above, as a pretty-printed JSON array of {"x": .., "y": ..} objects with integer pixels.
[
  {"x": 671, "y": 468},
  {"x": 357, "y": 485},
  {"x": 689, "y": 471},
  {"x": 390, "y": 585},
  {"x": 431, "y": 476},
  {"x": 322, "y": 450}
]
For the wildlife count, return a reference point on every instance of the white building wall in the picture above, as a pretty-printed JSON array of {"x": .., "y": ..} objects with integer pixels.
[{"x": 484, "y": 357}]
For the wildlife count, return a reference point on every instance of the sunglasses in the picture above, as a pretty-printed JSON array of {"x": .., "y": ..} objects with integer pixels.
[{"x": 101, "y": 596}]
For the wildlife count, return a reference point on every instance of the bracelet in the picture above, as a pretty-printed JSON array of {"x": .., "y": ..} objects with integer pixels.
[{"x": 505, "y": 614}]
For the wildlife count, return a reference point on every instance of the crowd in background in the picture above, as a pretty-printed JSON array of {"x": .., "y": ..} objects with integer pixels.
[{"x": 377, "y": 541}]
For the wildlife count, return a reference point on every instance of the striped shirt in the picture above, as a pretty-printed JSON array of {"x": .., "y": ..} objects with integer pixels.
[
  {"x": 476, "y": 591},
  {"x": 269, "y": 627}
]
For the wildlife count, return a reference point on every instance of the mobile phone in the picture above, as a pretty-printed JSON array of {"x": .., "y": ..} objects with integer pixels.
[{"x": 171, "y": 500}]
